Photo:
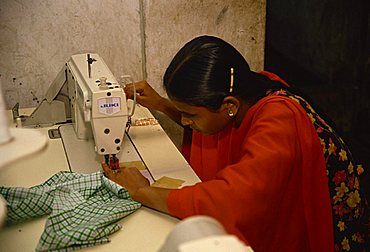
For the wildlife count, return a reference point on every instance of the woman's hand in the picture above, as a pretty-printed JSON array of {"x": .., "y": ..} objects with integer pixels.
[
  {"x": 146, "y": 95},
  {"x": 128, "y": 177},
  {"x": 150, "y": 99},
  {"x": 139, "y": 187}
]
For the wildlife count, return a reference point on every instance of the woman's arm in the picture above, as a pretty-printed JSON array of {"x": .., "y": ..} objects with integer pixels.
[
  {"x": 139, "y": 188},
  {"x": 149, "y": 98}
]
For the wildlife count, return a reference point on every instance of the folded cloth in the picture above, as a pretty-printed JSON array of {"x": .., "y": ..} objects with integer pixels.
[{"x": 83, "y": 209}]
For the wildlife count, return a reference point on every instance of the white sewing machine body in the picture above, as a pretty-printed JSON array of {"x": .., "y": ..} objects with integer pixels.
[
  {"x": 86, "y": 93},
  {"x": 96, "y": 106}
]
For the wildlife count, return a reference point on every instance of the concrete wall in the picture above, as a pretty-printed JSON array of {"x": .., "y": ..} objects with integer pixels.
[
  {"x": 38, "y": 36},
  {"x": 137, "y": 37}
]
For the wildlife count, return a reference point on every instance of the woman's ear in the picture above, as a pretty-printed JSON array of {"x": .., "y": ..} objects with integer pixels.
[{"x": 231, "y": 105}]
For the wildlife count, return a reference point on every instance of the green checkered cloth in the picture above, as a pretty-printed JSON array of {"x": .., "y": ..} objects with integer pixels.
[{"x": 83, "y": 209}]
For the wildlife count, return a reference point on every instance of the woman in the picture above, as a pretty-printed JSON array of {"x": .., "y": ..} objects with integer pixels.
[{"x": 261, "y": 153}]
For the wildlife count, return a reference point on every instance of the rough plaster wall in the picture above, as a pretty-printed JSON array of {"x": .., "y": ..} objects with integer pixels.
[
  {"x": 170, "y": 24},
  {"x": 37, "y": 37}
]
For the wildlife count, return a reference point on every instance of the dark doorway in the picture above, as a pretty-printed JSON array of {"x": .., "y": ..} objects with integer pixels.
[{"x": 323, "y": 48}]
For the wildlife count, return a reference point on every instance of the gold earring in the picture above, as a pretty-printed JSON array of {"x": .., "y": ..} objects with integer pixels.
[{"x": 230, "y": 112}]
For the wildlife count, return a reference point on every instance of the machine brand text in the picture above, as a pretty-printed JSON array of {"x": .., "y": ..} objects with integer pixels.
[{"x": 109, "y": 105}]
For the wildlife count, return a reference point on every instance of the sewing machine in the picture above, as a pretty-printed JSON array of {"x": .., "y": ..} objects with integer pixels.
[{"x": 86, "y": 94}]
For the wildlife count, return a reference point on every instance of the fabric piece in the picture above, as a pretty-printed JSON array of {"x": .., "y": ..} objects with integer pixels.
[
  {"x": 349, "y": 206},
  {"x": 168, "y": 183},
  {"x": 83, "y": 209},
  {"x": 265, "y": 181}
]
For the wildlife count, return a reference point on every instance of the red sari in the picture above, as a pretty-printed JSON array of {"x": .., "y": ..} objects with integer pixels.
[{"x": 265, "y": 181}]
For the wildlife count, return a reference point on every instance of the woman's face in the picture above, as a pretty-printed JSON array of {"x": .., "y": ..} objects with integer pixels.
[{"x": 202, "y": 119}]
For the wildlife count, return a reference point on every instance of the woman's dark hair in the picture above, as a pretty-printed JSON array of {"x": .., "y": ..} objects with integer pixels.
[{"x": 200, "y": 74}]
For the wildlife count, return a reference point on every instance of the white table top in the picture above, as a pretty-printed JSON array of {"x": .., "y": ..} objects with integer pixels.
[{"x": 144, "y": 230}]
